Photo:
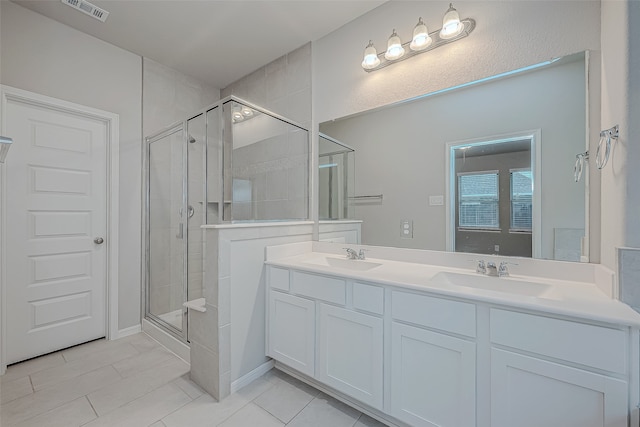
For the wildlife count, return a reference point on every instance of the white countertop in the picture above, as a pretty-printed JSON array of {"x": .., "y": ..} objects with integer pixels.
[
  {"x": 575, "y": 299},
  {"x": 255, "y": 224}
]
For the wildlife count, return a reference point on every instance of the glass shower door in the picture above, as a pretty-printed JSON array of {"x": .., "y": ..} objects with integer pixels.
[
  {"x": 167, "y": 231},
  {"x": 196, "y": 205}
]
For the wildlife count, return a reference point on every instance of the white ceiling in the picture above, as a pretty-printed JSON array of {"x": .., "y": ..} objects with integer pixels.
[{"x": 215, "y": 41}]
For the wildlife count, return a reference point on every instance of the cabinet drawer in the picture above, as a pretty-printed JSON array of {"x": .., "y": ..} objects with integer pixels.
[
  {"x": 446, "y": 315},
  {"x": 279, "y": 278},
  {"x": 368, "y": 298},
  {"x": 319, "y": 287},
  {"x": 595, "y": 346}
]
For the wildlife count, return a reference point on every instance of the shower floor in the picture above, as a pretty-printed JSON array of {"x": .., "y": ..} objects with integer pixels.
[{"x": 173, "y": 317}]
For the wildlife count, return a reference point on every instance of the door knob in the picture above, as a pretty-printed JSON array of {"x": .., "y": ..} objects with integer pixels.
[{"x": 98, "y": 240}]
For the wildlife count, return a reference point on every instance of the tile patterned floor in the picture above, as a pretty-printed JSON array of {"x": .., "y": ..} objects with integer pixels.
[{"x": 136, "y": 382}]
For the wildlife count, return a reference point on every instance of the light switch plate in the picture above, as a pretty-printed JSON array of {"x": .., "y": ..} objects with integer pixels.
[{"x": 436, "y": 200}]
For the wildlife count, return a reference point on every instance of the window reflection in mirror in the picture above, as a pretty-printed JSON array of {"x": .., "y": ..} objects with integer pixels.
[
  {"x": 401, "y": 154},
  {"x": 493, "y": 197}
]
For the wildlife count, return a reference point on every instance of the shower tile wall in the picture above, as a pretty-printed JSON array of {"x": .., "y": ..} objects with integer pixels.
[
  {"x": 276, "y": 168},
  {"x": 169, "y": 96},
  {"x": 282, "y": 86}
]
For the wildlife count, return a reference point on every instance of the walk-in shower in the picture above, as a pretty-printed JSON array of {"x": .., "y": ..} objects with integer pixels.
[{"x": 232, "y": 162}]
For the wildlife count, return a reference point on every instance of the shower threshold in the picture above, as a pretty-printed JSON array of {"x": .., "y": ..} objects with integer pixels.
[{"x": 173, "y": 318}]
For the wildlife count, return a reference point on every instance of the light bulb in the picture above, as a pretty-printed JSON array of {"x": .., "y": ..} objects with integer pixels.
[
  {"x": 371, "y": 59},
  {"x": 451, "y": 25},
  {"x": 394, "y": 47},
  {"x": 236, "y": 114},
  {"x": 421, "y": 39},
  {"x": 246, "y": 112}
]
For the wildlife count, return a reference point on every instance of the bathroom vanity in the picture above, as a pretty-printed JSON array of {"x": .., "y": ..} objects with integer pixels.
[{"x": 433, "y": 344}]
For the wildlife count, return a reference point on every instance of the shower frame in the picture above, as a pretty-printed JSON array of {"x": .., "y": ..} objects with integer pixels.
[
  {"x": 347, "y": 175},
  {"x": 223, "y": 120}
]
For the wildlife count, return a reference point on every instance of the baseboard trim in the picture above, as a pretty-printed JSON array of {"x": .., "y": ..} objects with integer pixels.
[
  {"x": 174, "y": 345},
  {"x": 132, "y": 330},
  {"x": 252, "y": 376}
]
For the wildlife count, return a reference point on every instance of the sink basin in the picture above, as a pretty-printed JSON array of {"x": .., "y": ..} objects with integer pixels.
[
  {"x": 344, "y": 263},
  {"x": 497, "y": 284}
]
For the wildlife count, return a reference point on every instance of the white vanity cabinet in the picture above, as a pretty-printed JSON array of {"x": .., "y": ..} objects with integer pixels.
[
  {"x": 292, "y": 331},
  {"x": 350, "y": 353},
  {"x": 568, "y": 377},
  {"x": 433, "y": 374},
  {"x": 307, "y": 309},
  {"x": 418, "y": 358}
]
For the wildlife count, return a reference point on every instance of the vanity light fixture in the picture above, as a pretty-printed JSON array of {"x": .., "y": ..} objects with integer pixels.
[{"x": 453, "y": 29}]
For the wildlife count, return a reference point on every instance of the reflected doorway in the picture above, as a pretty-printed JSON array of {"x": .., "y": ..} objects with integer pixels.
[{"x": 492, "y": 206}]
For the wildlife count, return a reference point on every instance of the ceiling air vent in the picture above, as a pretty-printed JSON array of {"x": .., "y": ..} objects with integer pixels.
[{"x": 87, "y": 8}]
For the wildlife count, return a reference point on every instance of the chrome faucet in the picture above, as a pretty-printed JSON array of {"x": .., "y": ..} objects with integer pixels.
[
  {"x": 352, "y": 254},
  {"x": 492, "y": 270},
  {"x": 503, "y": 270}
]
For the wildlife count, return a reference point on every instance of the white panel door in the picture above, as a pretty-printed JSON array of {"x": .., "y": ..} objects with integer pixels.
[
  {"x": 56, "y": 207},
  {"x": 292, "y": 331},
  {"x": 350, "y": 353},
  {"x": 529, "y": 392},
  {"x": 433, "y": 378}
]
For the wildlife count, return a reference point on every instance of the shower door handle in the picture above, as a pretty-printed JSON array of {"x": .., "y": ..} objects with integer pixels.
[{"x": 180, "y": 234}]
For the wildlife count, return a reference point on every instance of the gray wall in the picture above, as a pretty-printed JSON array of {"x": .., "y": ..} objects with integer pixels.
[
  {"x": 46, "y": 57},
  {"x": 43, "y": 56},
  {"x": 169, "y": 96}
]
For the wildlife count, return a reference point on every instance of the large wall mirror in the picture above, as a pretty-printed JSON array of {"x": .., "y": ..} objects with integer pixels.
[{"x": 488, "y": 167}]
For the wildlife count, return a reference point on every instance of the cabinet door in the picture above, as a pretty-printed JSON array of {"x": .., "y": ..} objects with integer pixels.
[
  {"x": 433, "y": 378},
  {"x": 529, "y": 392},
  {"x": 292, "y": 331},
  {"x": 350, "y": 353}
]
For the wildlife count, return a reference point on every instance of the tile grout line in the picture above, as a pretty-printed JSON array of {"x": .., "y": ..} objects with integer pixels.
[
  {"x": 298, "y": 413},
  {"x": 141, "y": 396},
  {"x": 98, "y": 366},
  {"x": 234, "y": 412},
  {"x": 86, "y": 396},
  {"x": 177, "y": 409}
]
